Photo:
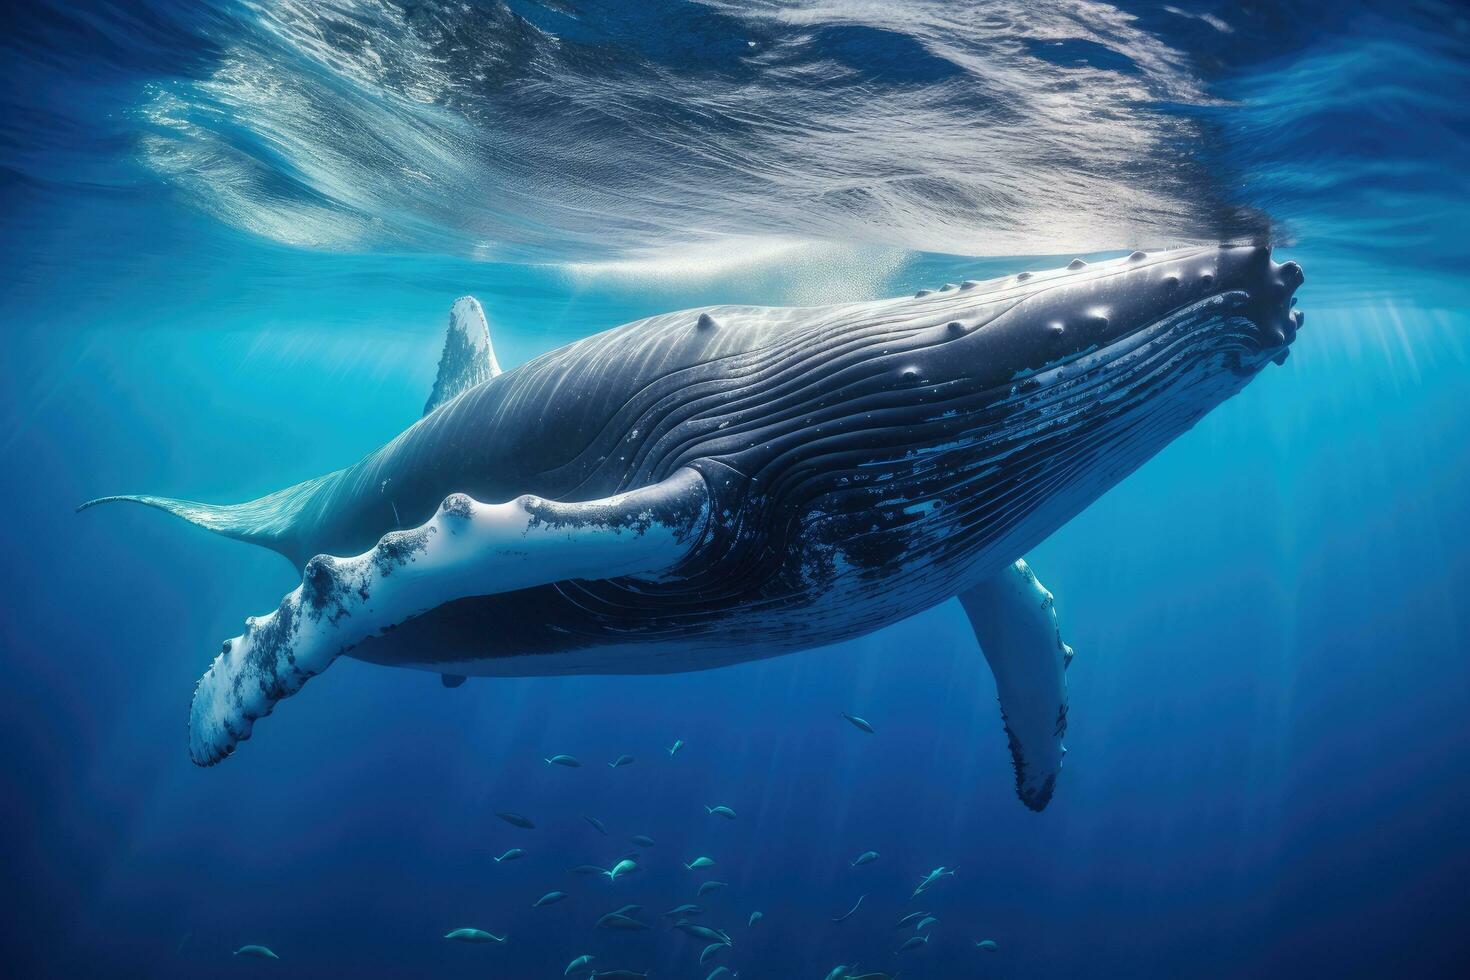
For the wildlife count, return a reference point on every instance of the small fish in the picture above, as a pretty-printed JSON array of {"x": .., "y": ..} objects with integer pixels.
[
  {"x": 702, "y": 932},
  {"x": 711, "y": 950},
  {"x": 257, "y": 952},
  {"x": 754, "y": 918},
  {"x": 720, "y": 811},
  {"x": 473, "y": 936},
  {"x": 550, "y": 898},
  {"x": 839, "y": 972},
  {"x": 578, "y": 965},
  {"x": 848, "y": 914},
  {"x": 596, "y": 824},
  {"x": 642, "y": 840},
  {"x": 511, "y": 855},
  {"x": 867, "y": 857},
  {"x": 859, "y": 722},
  {"x": 621, "y": 868},
  {"x": 932, "y": 877},
  {"x": 700, "y": 862},
  {"x": 616, "y": 920},
  {"x": 515, "y": 819},
  {"x": 587, "y": 869},
  {"x": 570, "y": 762},
  {"x": 708, "y": 887},
  {"x": 911, "y": 917},
  {"x": 678, "y": 744},
  {"x": 685, "y": 909},
  {"x": 621, "y": 761},
  {"x": 914, "y": 943},
  {"x": 989, "y": 945},
  {"x": 925, "y": 923},
  {"x": 628, "y": 910}
]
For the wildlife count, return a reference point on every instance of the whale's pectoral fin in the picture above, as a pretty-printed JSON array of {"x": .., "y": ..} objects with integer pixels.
[
  {"x": 1015, "y": 621},
  {"x": 468, "y": 357},
  {"x": 467, "y": 549}
]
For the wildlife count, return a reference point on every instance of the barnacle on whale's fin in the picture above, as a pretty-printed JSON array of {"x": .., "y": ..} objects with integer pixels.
[
  {"x": 1015, "y": 620},
  {"x": 268, "y": 521},
  {"x": 466, "y": 549},
  {"x": 468, "y": 356}
]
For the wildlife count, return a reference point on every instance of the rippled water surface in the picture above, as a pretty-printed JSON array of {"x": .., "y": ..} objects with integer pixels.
[{"x": 232, "y": 232}]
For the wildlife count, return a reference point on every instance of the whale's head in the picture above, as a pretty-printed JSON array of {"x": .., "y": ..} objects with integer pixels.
[
  {"x": 1211, "y": 310},
  {"x": 1116, "y": 359},
  {"x": 1056, "y": 385}
]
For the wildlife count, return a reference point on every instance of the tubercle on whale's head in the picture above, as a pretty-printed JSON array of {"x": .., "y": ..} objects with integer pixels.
[{"x": 1089, "y": 308}]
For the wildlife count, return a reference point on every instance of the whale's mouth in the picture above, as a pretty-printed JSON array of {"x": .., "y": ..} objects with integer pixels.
[
  {"x": 1273, "y": 310},
  {"x": 1117, "y": 402},
  {"x": 1271, "y": 307},
  {"x": 1086, "y": 315},
  {"x": 1240, "y": 315},
  {"x": 1237, "y": 328}
]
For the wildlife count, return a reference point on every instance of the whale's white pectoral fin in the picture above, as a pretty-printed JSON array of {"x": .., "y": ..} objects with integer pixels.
[
  {"x": 467, "y": 549},
  {"x": 1015, "y": 621},
  {"x": 468, "y": 357}
]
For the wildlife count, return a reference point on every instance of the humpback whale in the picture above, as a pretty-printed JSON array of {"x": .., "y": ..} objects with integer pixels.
[{"x": 723, "y": 484}]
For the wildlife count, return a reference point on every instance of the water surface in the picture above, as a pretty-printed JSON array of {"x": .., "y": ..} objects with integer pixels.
[{"x": 233, "y": 232}]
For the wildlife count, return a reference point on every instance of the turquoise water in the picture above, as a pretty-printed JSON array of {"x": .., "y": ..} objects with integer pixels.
[{"x": 1266, "y": 755}]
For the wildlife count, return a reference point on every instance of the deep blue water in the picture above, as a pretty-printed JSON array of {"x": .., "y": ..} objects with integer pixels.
[{"x": 231, "y": 234}]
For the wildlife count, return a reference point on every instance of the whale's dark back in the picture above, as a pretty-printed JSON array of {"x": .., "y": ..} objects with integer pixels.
[
  {"x": 761, "y": 390},
  {"x": 802, "y": 409}
]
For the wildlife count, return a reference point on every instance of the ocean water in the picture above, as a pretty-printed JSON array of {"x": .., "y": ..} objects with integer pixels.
[{"x": 231, "y": 235}]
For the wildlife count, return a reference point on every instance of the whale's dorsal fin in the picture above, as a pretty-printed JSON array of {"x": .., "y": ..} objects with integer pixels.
[
  {"x": 1015, "y": 621},
  {"x": 468, "y": 356}
]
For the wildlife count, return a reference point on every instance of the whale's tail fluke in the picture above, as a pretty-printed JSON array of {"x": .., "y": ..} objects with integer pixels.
[{"x": 268, "y": 521}]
